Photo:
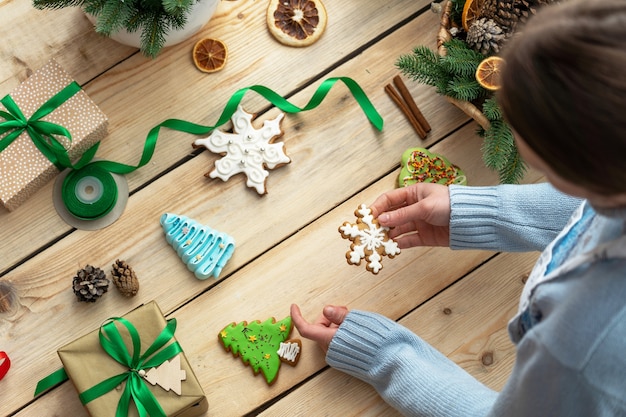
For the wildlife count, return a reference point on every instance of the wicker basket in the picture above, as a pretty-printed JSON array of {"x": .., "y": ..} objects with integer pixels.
[{"x": 444, "y": 36}]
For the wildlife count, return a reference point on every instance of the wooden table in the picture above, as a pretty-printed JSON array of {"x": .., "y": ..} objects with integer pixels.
[{"x": 288, "y": 247}]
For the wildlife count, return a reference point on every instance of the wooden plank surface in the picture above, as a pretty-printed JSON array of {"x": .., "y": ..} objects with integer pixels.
[
  {"x": 137, "y": 94},
  {"x": 288, "y": 247}
]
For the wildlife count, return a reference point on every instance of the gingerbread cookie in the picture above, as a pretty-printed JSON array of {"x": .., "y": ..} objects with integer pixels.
[
  {"x": 421, "y": 165},
  {"x": 369, "y": 240},
  {"x": 247, "y": 150},
  {"x": 262, "y": 346}
]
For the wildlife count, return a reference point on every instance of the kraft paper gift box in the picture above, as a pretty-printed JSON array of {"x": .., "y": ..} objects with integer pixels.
[
  {"x": 87, "y": 364},
  {"x": 23, "y": 167}
]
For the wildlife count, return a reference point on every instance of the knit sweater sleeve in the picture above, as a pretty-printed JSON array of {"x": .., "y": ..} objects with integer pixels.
[
  {"x": 407, "y": 372},
  {"x": 511, "y": 218}
]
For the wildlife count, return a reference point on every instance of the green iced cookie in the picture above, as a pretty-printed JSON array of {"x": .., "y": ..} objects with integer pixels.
[{"x": 421, "y": 165}]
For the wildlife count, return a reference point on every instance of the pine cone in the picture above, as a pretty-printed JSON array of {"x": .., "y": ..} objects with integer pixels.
[
  {"x": 508, "y": 13},
  {"x": 124, "y": 278},
  {"x": 90, "y": 283},
  {"x": 485, "y": 36}
]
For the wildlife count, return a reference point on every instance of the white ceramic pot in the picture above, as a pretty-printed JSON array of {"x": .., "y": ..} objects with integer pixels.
[{"x": 199, "y": 15}]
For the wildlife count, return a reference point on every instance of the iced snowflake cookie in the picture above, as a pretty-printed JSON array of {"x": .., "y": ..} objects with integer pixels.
[
  {"x": 369, "y": 240},
  {"x": 421, "y": 165},
  {"x": 247, "y": 150},
  {"x": 262, "y": 346}
]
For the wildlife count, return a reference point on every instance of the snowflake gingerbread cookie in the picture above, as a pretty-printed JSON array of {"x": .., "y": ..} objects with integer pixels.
[
  {"x": 369, "y": 240},
  {"x": 247, "y": 150}
]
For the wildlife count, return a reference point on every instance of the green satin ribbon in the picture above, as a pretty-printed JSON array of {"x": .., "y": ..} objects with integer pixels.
[
  {"x": 42, "y": 133},
  {"x": 135, "y": 388},
  {"x": 230, "y": 108},
  {"x": 89, "y": 193}
]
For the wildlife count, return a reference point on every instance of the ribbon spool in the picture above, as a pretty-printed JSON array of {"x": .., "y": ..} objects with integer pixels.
[{"x": 90, "y": 198}]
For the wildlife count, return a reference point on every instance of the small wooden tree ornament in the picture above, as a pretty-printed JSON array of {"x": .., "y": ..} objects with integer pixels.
[{"x": 168, "y": 375}]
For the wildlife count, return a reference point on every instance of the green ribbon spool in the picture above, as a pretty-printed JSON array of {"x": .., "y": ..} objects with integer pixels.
[
  {"x": 89, "y": 193},
  {"x": 135, "y": 387}
]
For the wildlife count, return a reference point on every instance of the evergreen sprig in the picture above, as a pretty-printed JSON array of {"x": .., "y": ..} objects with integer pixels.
[
  {"x": 155, "y": 18},
  {"x": 499, "y": 151},
  {"x": 451, "y": 74}
]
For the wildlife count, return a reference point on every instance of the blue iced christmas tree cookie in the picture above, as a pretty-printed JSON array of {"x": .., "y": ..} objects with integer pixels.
[{"x": 205, "y": 251}]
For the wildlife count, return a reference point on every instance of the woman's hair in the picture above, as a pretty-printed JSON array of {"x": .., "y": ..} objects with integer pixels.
[{"x": 564, "y": 90}]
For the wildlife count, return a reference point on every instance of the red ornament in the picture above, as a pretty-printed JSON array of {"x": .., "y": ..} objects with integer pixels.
[{"x": 5, "y": 364}]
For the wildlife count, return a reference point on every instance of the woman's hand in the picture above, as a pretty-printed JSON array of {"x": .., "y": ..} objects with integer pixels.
[
  {"x": 418, "y": 215},
  {"x": 324, "y": 328}
]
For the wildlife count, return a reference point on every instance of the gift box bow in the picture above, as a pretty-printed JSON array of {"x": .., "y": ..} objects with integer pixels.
[
  {"x": 136, "y": 388},
  {"x": 41, "y": 132}
]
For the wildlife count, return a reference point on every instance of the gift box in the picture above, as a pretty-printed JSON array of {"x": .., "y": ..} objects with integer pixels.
[
  {"x": 26, "y": 164},
  {"x": 104, "y": 384}
]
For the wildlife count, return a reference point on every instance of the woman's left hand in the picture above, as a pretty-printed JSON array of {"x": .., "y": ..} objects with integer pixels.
[{"x": 324, "y": 328}]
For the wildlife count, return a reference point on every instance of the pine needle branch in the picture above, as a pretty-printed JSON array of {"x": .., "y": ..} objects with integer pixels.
[{"x": 463, "y": 88}]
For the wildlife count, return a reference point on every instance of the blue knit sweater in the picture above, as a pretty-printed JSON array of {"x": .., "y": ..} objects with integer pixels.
[{"x": 570, "y": 333}]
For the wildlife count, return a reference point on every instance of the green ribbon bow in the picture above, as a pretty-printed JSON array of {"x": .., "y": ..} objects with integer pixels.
[
  {"x": 136, "y": 388},
  {"x": 41, "y": 132}
]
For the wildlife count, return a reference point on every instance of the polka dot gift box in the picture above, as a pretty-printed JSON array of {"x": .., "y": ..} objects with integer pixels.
[{"x": 27, "y": 164}]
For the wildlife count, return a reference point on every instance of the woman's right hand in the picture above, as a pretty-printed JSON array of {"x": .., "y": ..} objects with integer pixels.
[{"x": 418, "y": 215}]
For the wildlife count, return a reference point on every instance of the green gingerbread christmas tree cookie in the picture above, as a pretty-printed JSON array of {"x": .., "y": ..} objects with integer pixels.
[
  {"x": 263, "y": 346},
  {"x": 421, "y": 165}
]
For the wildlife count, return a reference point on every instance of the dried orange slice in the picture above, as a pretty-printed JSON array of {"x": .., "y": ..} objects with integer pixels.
[
  {"x": 471, "y": 12},
  {"x": 488, "y": 72},
  {"x": 209, "y": 55},
  {"x": 296, "y": 22}
]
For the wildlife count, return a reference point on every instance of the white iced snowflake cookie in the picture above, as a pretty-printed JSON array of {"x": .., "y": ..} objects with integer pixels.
[
  {"x": 247, "y": 150},
  {"x": 369, "y": 240}
]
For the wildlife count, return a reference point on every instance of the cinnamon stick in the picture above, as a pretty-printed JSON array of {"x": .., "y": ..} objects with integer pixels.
[
  {"x": 408, "y": 98},
  {"x": 391, "y": 92}
]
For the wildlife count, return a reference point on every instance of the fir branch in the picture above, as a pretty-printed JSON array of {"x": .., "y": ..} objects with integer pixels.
[
  {"x": 112, "y": 17},
  {"x": 424, "y": 66},
  {"x": 463, "y": 88},
  {"x": 153, "y": 34},
  {"x": 94, "y": 7},
  {"x": 457, "y": 10},
  {"x": 177, "y": 7},
  {"x": 498, "y": 145},
  {"x": 492, "y": 110},
  {"x": 514, "y": 170},
  {"x": 177, "y": 21},
  {"x": 56, "y": 4},
  {"x": 460, "y": 59},
  {"x": 135, "y": 19}
]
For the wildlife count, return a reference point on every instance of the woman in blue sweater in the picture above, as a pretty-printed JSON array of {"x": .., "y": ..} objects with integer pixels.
[{"x": 564, "y": 93}]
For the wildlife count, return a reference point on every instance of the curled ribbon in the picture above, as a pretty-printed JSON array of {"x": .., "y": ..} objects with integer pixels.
[
  {"x": 136, "y": 388},
  {"x": 90, "y": 212},
  {"x": 42, "y": 133},
  {"x": 5, "y": 364}
]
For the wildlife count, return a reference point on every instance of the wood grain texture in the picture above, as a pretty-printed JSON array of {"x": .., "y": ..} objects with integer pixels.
[
  {"x": 288, "y": 248},
  {"x": 138, "y": 94}
]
